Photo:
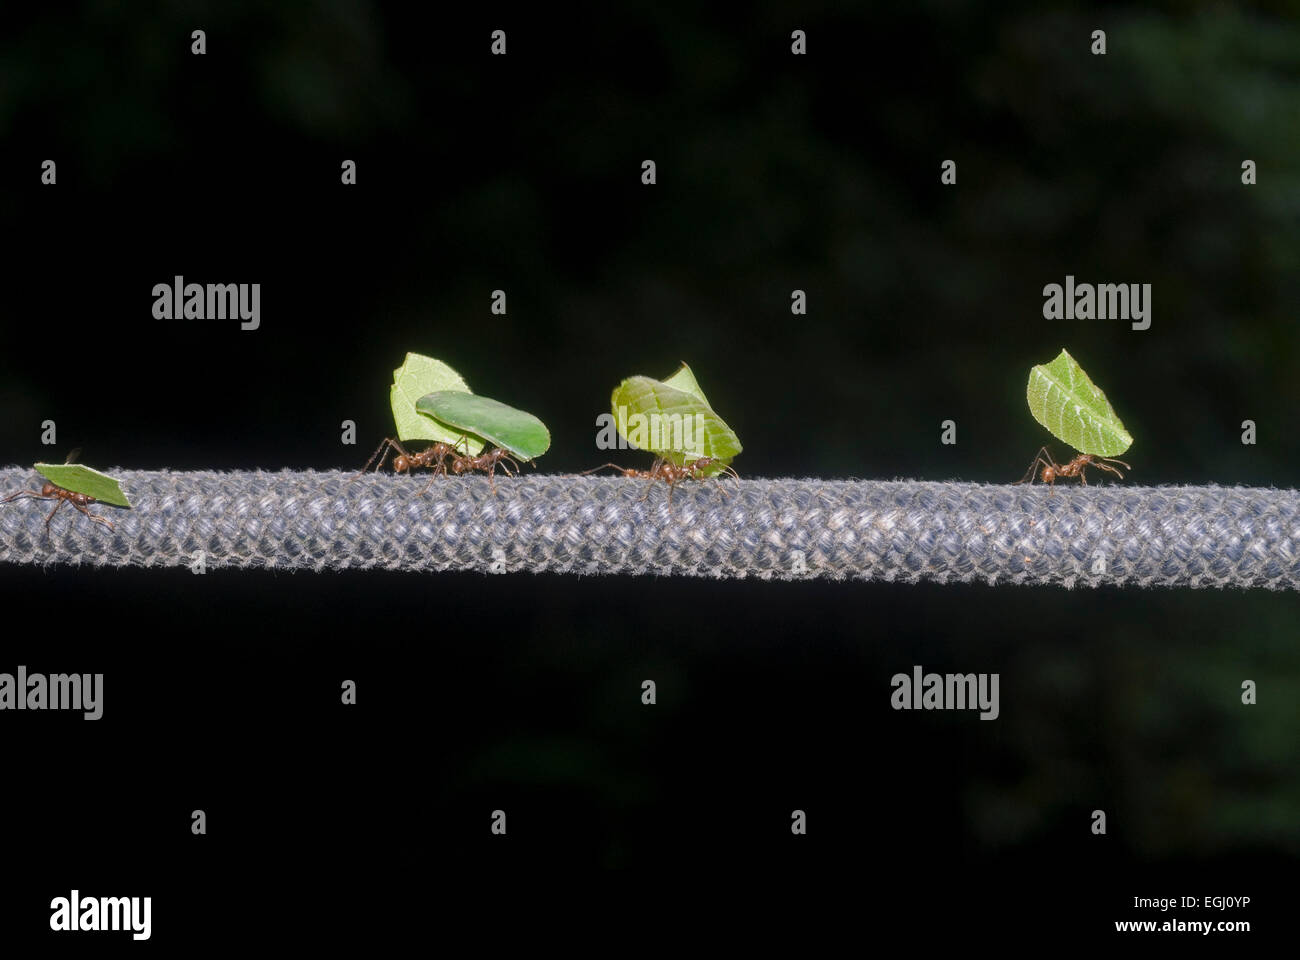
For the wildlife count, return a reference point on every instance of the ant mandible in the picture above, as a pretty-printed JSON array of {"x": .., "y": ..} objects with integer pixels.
[{"x": 1075, "y": 468}]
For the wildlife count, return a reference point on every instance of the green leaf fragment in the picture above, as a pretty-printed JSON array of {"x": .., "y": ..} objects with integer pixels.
[
  {"x": 520, "y": 433},
  {"x": 80, "y": 478},
  {"x": 685, "y": 380},
  {"x": 672, "y": 419},
  {"x": 1074, "y": 410},
  {"x": 417, "y": 377}
]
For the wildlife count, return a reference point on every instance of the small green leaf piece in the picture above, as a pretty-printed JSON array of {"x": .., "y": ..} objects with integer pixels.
[
  {"x": 80, "y": 478},
  {"x": 518, "y": 432},
  {"x": 418, "y": 376},
  {"x": 1074, "y": 410},
  {"x": 672, "y": 419}
]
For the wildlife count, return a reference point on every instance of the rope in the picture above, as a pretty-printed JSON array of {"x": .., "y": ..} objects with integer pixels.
[{"x": 772, "y": 529}]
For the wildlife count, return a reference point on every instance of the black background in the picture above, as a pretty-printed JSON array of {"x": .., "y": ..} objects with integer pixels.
[{"x": 522, "y": 173}]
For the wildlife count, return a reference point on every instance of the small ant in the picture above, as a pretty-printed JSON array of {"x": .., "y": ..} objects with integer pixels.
[
  {"x": 435, "y": 458},
  {"x": 669, "y": 472},
  {"x": 1075, "y": 468},
  {"x": 487, "y": 462},
  {"x": 52, "y": 491}
]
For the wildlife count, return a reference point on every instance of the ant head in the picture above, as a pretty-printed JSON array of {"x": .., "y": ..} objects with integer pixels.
[
  {"x": 458, "y": 466},
  {"x": 401, "y": 463},
  {"x": 47, "y": 489},
  {"x": 1049, "y": 474}
]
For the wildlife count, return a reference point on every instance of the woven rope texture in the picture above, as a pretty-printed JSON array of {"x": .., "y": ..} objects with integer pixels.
[{"x": 771, "y": 529}]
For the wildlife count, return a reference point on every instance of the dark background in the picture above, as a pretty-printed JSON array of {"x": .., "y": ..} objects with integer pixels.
[{"x": 522, "y": 172}]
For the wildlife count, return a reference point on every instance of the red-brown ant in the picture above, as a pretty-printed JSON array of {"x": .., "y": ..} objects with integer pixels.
[
  {"x": 669, "y": 472},
  {"x": 52, "y": 491},
  {"x": 1075, "y": 468},
  {"x": 435, "y": 457},
  {"x": 487, "y": 462}
]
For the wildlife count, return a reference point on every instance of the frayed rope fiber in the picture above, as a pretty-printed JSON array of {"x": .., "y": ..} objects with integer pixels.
[{"x": 771, "y": 529}]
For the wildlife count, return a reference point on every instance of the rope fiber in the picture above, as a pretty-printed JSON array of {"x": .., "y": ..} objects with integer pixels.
[{"x": 772, "y": 529}]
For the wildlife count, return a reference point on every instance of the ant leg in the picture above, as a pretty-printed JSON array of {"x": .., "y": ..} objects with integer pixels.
[
  {"x": 696, "y": 467},
  {"x": 440, "y": 469},
  {"x": 35, "y": 495},
  {"x": 95, "y": 517},
  {"x": 650, "y": 484},
  {"x": 58, "y": 506},
  {"x": 503, "y": 460},
  {"x": 656, "y": 473},
  {"x": 612, "y": 466},
  {"x": 1045, "y": 458},
  {"x": 386, "y": 447},
  {"x": 1032, "y": 472}
]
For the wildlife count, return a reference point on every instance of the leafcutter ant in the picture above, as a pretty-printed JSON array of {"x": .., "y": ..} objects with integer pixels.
[
  {"x": 52, "y": 491},
  {"x": 669, "y": 472},
  {"x": 436, "y": 456},
  {"x": 487, "y": 462},
  {"x": 1052, "y": 471},
  {"x": 433, "y": 457},
  {"x": 84, "y": 486}
]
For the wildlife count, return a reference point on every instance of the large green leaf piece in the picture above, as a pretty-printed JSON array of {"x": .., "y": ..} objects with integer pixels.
[
  {"x": 1067, "y": 403},
  {"x": 520, "y": 433},
  {"x": 418, "y": 377},
  {"x": 79, "y": 478},
  {"x": 672, "y": 418}
]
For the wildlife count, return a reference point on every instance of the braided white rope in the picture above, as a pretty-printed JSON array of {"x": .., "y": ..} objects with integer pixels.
[{"x": 783, "y": 529}]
